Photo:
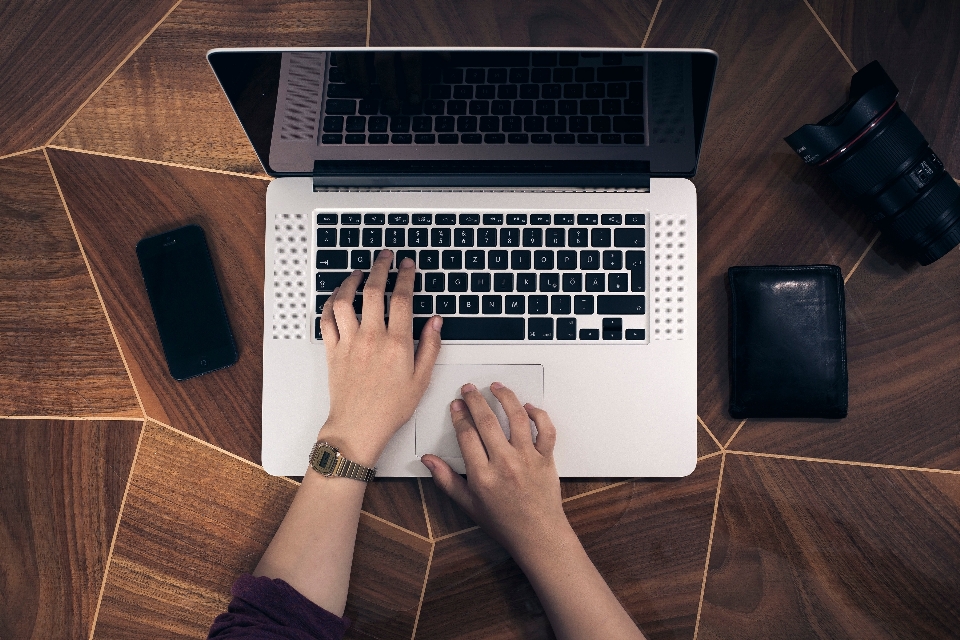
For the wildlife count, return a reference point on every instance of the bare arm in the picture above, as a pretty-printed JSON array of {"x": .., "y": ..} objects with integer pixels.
[
  {"x": 376, "y": 382},
  {"x": 513, "y": 491}
]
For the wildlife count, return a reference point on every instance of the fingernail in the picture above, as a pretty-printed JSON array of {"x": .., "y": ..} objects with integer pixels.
[
  {"x": 429, "y": 464},
  {"x": 406, "y": 262},
  {"x": 468, "y": 387},
  {"x": 436, "y": 323},
  {"x": 458, "y": 405},
  {"x": 335, "y": 289},
  {"x": 496, "y": 385},
  {"x": 385, "y": 252}
]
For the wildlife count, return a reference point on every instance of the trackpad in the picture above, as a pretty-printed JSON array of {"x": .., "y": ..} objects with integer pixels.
[{"x": 434, "y": 428}]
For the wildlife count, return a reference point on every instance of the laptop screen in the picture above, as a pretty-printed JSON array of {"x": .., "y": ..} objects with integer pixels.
[{"x": 310, "y": 111}]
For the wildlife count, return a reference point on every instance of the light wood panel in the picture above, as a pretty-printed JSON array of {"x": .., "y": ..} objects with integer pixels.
[
  {"x": 55, "y": 53},
  {"x": 165, "y": 103},
  {"x": 61, "y": 485},
  {"x": 58, "y": 356},
  {"x": 810, "y": 550}
]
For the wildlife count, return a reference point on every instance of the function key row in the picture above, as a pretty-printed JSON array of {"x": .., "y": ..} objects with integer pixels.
[
  {"x": 622, "y": 237},
  {"x": 474, "y": 219}
]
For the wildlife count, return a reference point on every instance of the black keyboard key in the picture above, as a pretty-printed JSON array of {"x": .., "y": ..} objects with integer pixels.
[
  {"x": 489, "y": 124},
  {"x": 491, "y": 305},
  {"x": 401, "y": 138},
  {"x": 611, "y": 59},
  {"x": 373, "y": 219},
  {"x": 637, "y": 281},
  {"x": 629, "y": 238},
  {"x": 509, "y": 237},
  {"x": 619, "y": 74},
  {"x": 613, "y": 260},
  {"x": 378, "y": 124},
  {"x": 360, "y": 259},
  {"x": 422, "y": 218},
  {"x": 457, "y": 281},
  {"x": 456, "y": 328},
  {"x": 594, "y": 90},
  {"x": 463, "y": 92},
  {"x": 610, "y": 138},
  {"x": 493, "y": 218},
  {"x": 485, "y": 92},
  {"x": 369, "y": 107},
  {"x": 471, "y": 138},
  {"x": 503, "y": 282},
  {"x": 475, "y": 260},
  {"x": 593, "y": 282},
  {"x": 433, "y": 281},
  {"x": 356, "y": 138},
  {"x": 610, "y": 107},
  {"x": 416, "y": 237},
  {"x": 635, "y": 260},
  {"x": 540, "y": 138},
  {"x": 635, "y": 334},
  {"x": 398, "y": 218},
  {"x": 424, "y": 138},
  {"x": 577, "y": 237},
  {"x": 479, "y": 108},
  {"x": 628, "y": 124},
  {"x": 567, "y": 107},
  {"x": 573, "y": 282},
  {"x": 468, "y": 305},
  {"x": 616, "y": 282},
  {"x": 540, "y": 219},
  {"x": 331, "y": 259},
  {"x": 529, "y": 91},
  {"x": 448, "y": 138},
  {"x": 617, "y": 90},
  {"x": 542, "y": 260},
  {"x": 636, "y": 218},
  {"x": 349, "y": 237},
  {"x": 533, "y": 124},
  {"x": 545, "y": 108},
  {"x": 600, "y": 124},
  {"x": 496, "y": 76},
  {"x": 327, "y": 237},
  {"x": 600, "y": 237},
  {"x": 556, "y": 124},
  {"x": 533, "y": 237},
  {"x": 445, "y": 124},
  {"x": 566, "y": 260},
  {"x": 587, "y": 219},
  {"x": 584, "y": 74},
  {"x": 350, "y": 218},
  {"x": 589, "y": 107},
  {"x": 537, "y": 305},
  {"x": 620, "y": 305},
  {"x": 401, "y": 255},
  {"x": 327, "y": 218},
  {"x": 566, "y": 328},
  {"x": 517, "y": 219},
  {"x": 446, "y": 218},
  {"x": 497, "y": 260},
  {"x": 589, "y": 334},
  {"x": 333, "y": 124},
  {"x": 518, "y": 138},
  {"x": 463, "y": 237},
  {"x": 583, "y": 305},
  {"x": 434, "y": 107},
  {"x": 587, "y": 138},
  {"x": 520, "y": 259},
  {"x": 511, "y": 124},
  {"x": 526, "y": 282},
  {"x": 394, "y": 237},
  {"x": 500, "y": 107},
  {"x": 467, "y": 124},
  {"x": 540, "y": 329},
  {"x": 445, "y": 305},
  {"x": 423, "y": 305},
  {"x": 549, "y": 282},
  {"x": 417, "y": 281},
  {"x": 356, "y": 124},
  {"x": 429, "y": 259},
  {"x": 550, "y": 92},
  {"x": 452, "y": 259},
  {"x": 515, "y": 305},
  {"x": 373, "y": 237},
  {"x": 560, "y": 305},
  {"x": 422, "y": 124},
  {"x": 480, "y": 281},
  {"x": 555, "y": 237},
  {"x": 330, "y": 280},
  {"x": 507, "y": 92},
  {"x": 519, "y": 76},
  {"x": 321, "y": 300},
  {"x": 341, "y": 107},
  {"x": 440, "y": 236},
  {"x": 452, "y": 76},
  {"x": 469, "y": 219},
  {"x": 456, "y": 108}
]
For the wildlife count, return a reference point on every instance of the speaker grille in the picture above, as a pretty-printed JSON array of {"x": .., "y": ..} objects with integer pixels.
[
  {"x": 302, "y": 106},
  {"x": 669, "y": 294},
  {"x": 291, "y": 270}
]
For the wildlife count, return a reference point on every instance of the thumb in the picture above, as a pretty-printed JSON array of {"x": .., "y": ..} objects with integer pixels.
[
  {"x": 428, "y": 350},
  {"x": 449, "y": 482}
]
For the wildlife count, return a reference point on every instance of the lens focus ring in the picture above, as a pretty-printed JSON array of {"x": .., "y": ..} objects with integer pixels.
[{"x": 926, "y": 210}]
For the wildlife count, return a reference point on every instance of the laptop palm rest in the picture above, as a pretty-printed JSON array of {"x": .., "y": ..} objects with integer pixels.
[{"x": 434, "y": 428}]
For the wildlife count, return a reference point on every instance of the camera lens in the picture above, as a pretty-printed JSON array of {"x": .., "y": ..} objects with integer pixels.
[{"x": 877, "y": 157}]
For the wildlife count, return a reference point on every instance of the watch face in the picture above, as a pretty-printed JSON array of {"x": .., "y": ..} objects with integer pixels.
[{"x": 326, "y": 459}]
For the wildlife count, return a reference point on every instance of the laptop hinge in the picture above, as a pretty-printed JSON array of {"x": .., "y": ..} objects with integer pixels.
[{"x": 551, "y": 175}]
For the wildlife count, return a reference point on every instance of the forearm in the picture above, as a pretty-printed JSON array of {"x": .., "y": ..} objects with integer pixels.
[{"x": 575, "y": 596}]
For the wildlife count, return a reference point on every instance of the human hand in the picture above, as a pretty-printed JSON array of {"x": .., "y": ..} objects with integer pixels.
[
  {"x": 375, "y": 379},
  {"x": 512, "y": 488}
]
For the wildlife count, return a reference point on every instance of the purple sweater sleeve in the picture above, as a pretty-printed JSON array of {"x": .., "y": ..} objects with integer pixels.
[{"x": 265, "y": 609}]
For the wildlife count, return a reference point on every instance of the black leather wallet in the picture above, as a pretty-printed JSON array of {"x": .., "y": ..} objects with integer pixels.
[{"x": 788, "y": 342}]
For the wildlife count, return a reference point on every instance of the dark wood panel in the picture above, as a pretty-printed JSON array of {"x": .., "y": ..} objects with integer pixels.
[
  {"x": 647, "y": 538},
  {"x": 487, "y": 23},
  {"x": 398, "y": 501},
  {"x": 55, "y": 53},
  {"x": 184, "y": 539},
  {"x": 810, "y": 550},
  {"x": 900, "y": 35},
  {"x": 58, "y": 355},
  {"x": 61, "y": 485},
  {"x": 165, "y": 103},
  {"x": 902, "y": 342},
  {"x": 758, "y": 203}
]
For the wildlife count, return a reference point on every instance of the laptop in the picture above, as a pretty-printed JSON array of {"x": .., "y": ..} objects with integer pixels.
[{"x": 545, "y": 197}]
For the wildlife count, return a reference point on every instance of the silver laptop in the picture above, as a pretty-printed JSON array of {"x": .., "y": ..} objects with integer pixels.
[{"x": 545, "y": 197}]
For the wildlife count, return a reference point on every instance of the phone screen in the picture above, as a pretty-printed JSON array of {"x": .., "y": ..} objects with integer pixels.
[{"x": 189, "y": 312}]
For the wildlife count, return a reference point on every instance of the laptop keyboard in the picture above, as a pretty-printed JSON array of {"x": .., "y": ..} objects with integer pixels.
[
  {"x": 500, "y": 276},
  {"x": 523, "y": 98}
]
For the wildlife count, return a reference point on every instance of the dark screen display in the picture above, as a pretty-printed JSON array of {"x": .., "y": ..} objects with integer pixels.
[{"x": 186, "y": 302}]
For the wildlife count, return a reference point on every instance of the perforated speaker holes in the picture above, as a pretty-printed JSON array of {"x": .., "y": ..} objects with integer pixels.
[
  {"x": 669, "y": 287},
  {"x": 291, "y": 267}
]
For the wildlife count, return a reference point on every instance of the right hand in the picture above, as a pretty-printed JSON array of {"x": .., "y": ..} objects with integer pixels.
[{"x": 512, "y": 488}]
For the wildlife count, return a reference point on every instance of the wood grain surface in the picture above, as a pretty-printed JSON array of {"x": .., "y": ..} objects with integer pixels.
[
  {"x": 61, "y": 485},
  {"x": 58, "y": 356},
  {"x": 196, "y": 518},
  {"x": 165, "y": 103},
  {"x": 758, "y": 203},
  {"x": 55, "y": 53},
  {"x": 488, "y": 23},
  {"x": 902, "y": 342},
  {"x": 872, "y": 556}
]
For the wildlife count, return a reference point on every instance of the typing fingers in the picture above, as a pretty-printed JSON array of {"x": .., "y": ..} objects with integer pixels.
[
  {"x": 474, "y": 455},
  {"x": 485, "y": 420},
  {"x": 373, "y": 290},
  {"x": 520, "y": 435},
  {"x": 343, "y": 311}
]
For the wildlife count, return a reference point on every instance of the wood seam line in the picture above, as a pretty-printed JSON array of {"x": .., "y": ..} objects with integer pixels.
[
  {"x": 165, "y": 163},
  {"x": 394, "y": 525},
  {"x": 96, "y": 287},
  {"x": 423, "y": 503},
  {"x": 612, "y": 485},
  {"x": 862, "y": 256},
  {"x": 850, "y": 463},
  {"x": 706, "y": 561},
  {"x": 710, "y": 433},
  {"x": 830, "y": 35},
  {"x": 646, "y": 36},
  {"x": 709, "y": 455},
  {"x": 456, "y": 533},
  {"x": 370, "y": 11},
  {"x": 20, "y": 153},
  {"x": 112, "y": 73},
  {"x": 423, "y": 591},
  {"x": 735, "y": 432},
  {"x": 116, "y": 530},
  {"x": 114, "y": 418}
]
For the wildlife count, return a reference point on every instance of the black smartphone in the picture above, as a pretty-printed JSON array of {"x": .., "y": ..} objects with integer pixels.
[{"x": 186, "y": 302}]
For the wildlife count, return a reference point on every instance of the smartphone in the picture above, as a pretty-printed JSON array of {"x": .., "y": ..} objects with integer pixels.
[{"x": 186, "y": 302}]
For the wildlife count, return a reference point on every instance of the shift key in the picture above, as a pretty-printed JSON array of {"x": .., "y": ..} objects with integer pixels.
[
  {"x": 620, "y": 305},
  {"x": 330, "y": 280},
  {"x": 331, "y": 259}
]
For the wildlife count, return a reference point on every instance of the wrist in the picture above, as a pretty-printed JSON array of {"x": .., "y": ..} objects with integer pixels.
[{"x": 352, "y": 446}]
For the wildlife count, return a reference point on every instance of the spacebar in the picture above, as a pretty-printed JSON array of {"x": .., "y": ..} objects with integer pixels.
[{"x": 460, "y": 328}]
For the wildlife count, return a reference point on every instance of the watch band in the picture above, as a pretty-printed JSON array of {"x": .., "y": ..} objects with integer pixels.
[{"x": 327, "y": 460}]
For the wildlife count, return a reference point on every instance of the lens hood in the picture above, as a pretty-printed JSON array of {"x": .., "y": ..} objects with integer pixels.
[{"x": 872, "y": 95}]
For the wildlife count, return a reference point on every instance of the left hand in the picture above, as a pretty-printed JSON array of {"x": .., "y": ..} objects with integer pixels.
[{"x": 376, "y": 380}]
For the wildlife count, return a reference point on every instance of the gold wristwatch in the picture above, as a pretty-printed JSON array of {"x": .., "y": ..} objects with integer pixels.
[{"x": 327, "y": 460}]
